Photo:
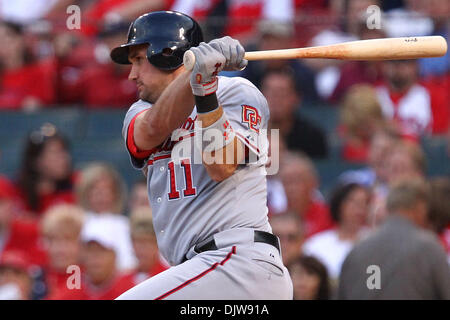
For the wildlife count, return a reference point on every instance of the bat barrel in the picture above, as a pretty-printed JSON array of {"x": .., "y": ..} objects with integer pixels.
[{"x": 373, "y": 49}]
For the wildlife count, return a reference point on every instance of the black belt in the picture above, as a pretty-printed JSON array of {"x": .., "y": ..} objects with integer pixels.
[{"x": 260, "y": 236}]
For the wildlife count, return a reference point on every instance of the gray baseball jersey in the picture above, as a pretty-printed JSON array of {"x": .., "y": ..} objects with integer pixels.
[{"x": 187, "y": 205}]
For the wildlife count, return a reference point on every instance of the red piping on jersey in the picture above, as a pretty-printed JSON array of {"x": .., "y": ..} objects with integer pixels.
[
  {"x": 166, "y": 156},
  {"x": 247, "y": 141},
  {"x": 213, "y": 267},
  {"x": 131, "y": 145},
  {"x": 186, "y": 136}
]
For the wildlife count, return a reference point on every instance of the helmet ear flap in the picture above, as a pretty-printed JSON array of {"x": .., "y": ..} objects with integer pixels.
[{"x": 167, "y": 52}]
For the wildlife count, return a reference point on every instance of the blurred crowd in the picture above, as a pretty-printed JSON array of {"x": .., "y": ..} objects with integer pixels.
[{"x": 389, "y": 213}]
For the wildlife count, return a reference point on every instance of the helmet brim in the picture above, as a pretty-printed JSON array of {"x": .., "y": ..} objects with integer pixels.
[{"x": 120, "y": 54}]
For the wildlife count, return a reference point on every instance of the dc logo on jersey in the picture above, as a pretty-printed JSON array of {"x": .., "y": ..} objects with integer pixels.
[{"x": 251, "y": 116}]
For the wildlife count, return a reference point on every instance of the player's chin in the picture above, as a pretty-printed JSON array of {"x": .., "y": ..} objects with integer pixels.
[{"x": 143, "y": 95}]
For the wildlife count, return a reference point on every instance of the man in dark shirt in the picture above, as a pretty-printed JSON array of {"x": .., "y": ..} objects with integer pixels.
[
  {"x": 299, "y": 134},
  {"x": 401, "y": 260}
]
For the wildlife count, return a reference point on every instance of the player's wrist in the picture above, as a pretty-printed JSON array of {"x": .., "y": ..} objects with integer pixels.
[
  {"x": 205, "y": 89},
  {"x": 216, "y": 135},
  {"x": 206, "y": 104}
]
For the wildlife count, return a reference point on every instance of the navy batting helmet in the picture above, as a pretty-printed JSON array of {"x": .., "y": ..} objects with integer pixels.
[{"x": 169, "y": 35}]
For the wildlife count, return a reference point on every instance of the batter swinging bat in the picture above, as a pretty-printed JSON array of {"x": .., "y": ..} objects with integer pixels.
[{"x": 374, "y": 49}]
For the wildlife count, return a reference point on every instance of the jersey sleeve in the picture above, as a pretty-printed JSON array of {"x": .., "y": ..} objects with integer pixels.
[
  {"x": 248, "y": 113},
  {"x": 137, "y": 157}
]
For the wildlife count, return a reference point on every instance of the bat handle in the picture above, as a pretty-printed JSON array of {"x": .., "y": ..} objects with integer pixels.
[{"x": 189, "y": 60}]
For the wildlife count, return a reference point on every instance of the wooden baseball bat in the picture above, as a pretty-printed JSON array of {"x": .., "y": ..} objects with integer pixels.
[{"x": 373, "y": 49}]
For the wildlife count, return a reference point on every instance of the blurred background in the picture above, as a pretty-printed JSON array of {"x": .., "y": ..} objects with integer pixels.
[{"x": 66, "y": 184}]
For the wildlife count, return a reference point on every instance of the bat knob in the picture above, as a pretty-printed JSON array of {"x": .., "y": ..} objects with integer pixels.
[{"x": 189, "y": 60}]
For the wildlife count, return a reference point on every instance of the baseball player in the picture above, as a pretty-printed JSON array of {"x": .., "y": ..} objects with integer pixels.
[{"x": 210, "y": 216}]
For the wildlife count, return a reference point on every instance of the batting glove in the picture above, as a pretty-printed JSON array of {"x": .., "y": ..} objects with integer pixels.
[
  {"x": 208, "y": 63},
  {"x": 232, "y": 50}
]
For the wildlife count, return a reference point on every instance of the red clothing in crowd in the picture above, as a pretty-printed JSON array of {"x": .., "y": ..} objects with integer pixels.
[
  {"x": 106, "y": 86},
  {"x": 439, "y": 88},
  {"x": 316, "y": 219},
  {"x": 49, "y": 200},
  {"x": 96, "y": 12},
  {"x": 112, "y": 290},
  {"x": 31, "y": 81},
  {"x": 410, "y": 110},
  {"x": 355, "y": 153},
  {"x": 445, "y": 240},
  {"x": 8, "y": 190},
  {"x": 24, "y": 236},
  {"x": 46, "y": 201},
  {"x": 137, "y": 277},
  {"x": 353, "y": 150},
  {"x": 82, "y": 80},
  {"x": 56, "y": 281},
  {"x": 101, "y": 8},
  {"x": 355, "y": 72}
]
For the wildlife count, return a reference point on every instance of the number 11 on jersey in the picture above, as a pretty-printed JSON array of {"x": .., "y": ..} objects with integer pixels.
[{"x": 189, "y": 189}]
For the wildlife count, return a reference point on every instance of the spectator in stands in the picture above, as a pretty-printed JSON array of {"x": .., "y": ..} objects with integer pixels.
[
  {"x": 46, "y": 177},
  {"x": 439, "y": 12},
  {"x": 406, "y": 160},
  {"x": 349, "y": 207},
  {"x": 288, "y": 228},
  {"x": 411, "y": 261},
  {"x": 100, "y": 279},
  {"x": 61, "y": 226},
  {"x": 26, "y": 13},
  {"x": 16, "y": 282},
  {"x": 101, "y": 192},
  {"x": 301, "y": 182},
  {"x": 8, "y": 191},
  {"x": 101, "y": 189},
  {"x": 358, "y": 72},
  {"x": 106, "y": 11},
  {"x": 16, "y": 233},
  {"x": 239, "y": 18},
  {"x": 439, "y": 213},
  {"x": 423, "y": 18},
  {"x": 376, "y": 174},
  {"x": 309, "y": 278},
  {"x": 278, "y": 35},
  {"x": 328, "y": 72},
  {"x": 360, "y": 117},
  {"x": 139, "y": 196},
  {"x": 92, "y": 84},
  {"x": 145, "y": 246},
  {"x": 24, "y": 83},
  {"x": 276, "y": 197},
  {"x": 409, "y": 20},
  {"x": 403, "y": 99},
  {"x": 435, "y": 72},
  {"x": 299, "y": 134}
]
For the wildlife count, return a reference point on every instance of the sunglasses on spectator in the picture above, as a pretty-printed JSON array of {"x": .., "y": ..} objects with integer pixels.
[{"x": 46, "y": 131}]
